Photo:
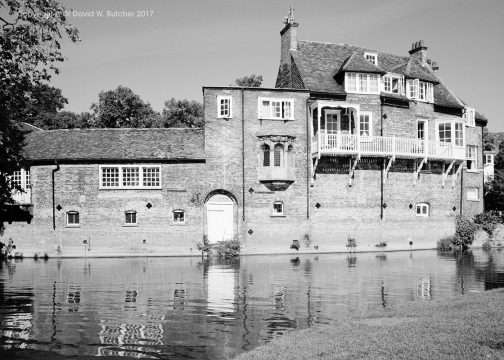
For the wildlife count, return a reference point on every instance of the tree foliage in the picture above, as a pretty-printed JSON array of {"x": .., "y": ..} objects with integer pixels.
[
  {"x": 182, "y": 113},
  {"x": 122, "y": 108},
  {"x": 249, "y": 81},
  {"x": 30, "y": 50},
  {"x": 494, "y": 192}
]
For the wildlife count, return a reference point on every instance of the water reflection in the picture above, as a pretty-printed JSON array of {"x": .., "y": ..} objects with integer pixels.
[{"x": 188, "y": 308}]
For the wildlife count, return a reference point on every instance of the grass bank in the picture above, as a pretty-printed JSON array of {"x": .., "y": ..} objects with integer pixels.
[{"x": 468, "y": 327}]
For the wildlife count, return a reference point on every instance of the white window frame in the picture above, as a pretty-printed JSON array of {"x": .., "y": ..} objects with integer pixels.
[
  {"x": 390, "y": 77},
  {"x": 472, "y": 155},
  {"x": 141, "y": 179},
  {"x": 422, "y": 209},
  {"x": 361, "y": 78},
  {"x": 272, "y": 103},
  {"x": 420, "y": 90},
  {"x": 370, "y": 118},
  {"x": 278, "y": 213},
  {"x": 72, "y": 224},
  {"x": 491, "y": 157},
  {"x": 177, "y": 222},
  {"x": 469, "y": 116},
  {"x": 453, "y": 139},
  {"x": 126, "y": 223},
  {"x": 229, "y": 113},
  {"x": 470, "y": 192},
  {"x": 371, "y": 57}
]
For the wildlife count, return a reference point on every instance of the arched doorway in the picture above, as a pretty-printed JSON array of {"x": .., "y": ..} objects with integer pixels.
[{"x": 220, "y": 215}]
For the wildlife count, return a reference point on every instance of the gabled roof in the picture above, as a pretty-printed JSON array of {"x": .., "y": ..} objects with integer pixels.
[
  {"x": 319, "y": 62},
  {"x": 413, "y": 69},
  {"x": 114, "y": 145},
  {"x": 357, "y": 63}
]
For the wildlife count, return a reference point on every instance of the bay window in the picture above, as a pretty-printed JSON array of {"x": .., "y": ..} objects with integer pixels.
[
  {"x": 362, "y": 83},
  {"x": 451, "y": 132}
]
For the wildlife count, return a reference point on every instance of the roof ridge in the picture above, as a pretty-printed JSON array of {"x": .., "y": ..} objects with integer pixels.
[{"x": 405, "y": 57}]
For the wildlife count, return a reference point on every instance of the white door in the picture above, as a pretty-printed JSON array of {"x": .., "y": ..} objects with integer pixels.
[{"x": 219, "y": 218}]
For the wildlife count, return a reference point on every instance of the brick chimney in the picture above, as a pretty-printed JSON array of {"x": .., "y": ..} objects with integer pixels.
[
  {"x": 419, "y": 51},
  {"x": 288, "y": 37}
]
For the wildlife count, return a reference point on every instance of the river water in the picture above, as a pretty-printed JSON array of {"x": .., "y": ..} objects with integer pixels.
[{"x": 186, "y": 308}]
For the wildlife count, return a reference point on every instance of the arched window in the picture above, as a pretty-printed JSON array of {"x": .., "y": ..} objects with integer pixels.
[
  {"x": 179, "y": 216},
  {"x": 278, "y": 208},
  {"x": 422, "y": 209},
  {"x": 278, "y": 155},
  {"x": 131, "y": 217},
  {"x": 266, "y": 155},
  {"x": 73, "y": 218}
]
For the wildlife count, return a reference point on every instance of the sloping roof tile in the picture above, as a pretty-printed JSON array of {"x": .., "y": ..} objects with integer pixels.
[
  {"x": 319, "y": 62},
  {"x": 115, "y": 144},
  {"x": 356, "y": 62}
]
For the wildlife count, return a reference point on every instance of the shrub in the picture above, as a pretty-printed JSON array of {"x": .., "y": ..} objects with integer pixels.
[
  {"x": 464, "y": 231},
  {"x": 488, "y": 221},
  {"x": 6, "y": 249},
  {"x": 204, "y": 247},
  {"x": 306, "y": 240},
  {"x": 227, "y": 249},
  {"x": 446, "y": 243},
  {"x": 381, "y": 244}
]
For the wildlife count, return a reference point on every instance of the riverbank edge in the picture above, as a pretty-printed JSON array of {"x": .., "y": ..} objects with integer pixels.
[{"x": 464, "y": 327}]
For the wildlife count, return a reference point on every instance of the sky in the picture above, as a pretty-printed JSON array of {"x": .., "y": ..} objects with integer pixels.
[{"x": 172, "y": 48}]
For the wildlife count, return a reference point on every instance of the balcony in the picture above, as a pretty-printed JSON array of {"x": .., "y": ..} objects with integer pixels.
[{"x": 383, "y": 146}]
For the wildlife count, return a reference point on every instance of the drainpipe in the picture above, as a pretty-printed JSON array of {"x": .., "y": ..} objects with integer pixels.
[
  {"x": 461, "y": 189},
  {"x": 53, "y": 197},
  {"x": 383, "y": 165},
  {"x": 243, "y": 151},
  {"x": 308, "y": 159},
  {"x": 483, "y": 163}
]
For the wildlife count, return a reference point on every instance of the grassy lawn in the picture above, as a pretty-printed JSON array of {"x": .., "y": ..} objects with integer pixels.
[{"x": 468, "y": 327}]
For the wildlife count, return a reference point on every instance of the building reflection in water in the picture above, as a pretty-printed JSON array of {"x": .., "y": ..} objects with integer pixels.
[
  {"x": 130, "y": 340},
  {"x": 186, "y": 308}
]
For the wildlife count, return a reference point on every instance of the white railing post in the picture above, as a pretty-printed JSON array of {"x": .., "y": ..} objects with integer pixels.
[
  {"x": 358, "y": 144},
  {"x": 426, "y": 148}
]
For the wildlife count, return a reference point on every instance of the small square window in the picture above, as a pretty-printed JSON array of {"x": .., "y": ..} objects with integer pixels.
[
  {"x": 131, "y": 218},
  {"x": 372, "y": 58},
  {"x": 73, "y": 219},
  {"x": 278, "y": 209},
  {"x": 179, "y": 216},
  {"x": 422, "y": 209}
]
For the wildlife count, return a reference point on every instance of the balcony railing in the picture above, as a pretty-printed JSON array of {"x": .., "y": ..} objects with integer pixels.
[
  {"x": 340, "y": 144},
  {"x": 275, "y": 173}
]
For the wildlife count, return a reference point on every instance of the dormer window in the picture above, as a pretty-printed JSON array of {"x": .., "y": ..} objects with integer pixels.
[
  {"x": 420, "y": 90},
  {"x": 393, "y": 83},
  {"x": 469, "y": 116},
  {"x": 224, "y": 106},
  {"x": 372, "y": 58},
  {"x": 362, "y": 83}
]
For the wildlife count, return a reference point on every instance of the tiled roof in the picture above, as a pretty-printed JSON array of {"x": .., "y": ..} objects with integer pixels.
[
  {"x": 319, "y": 62},
  {"x": 115, "y": 144},
  {"x": 413, "y": 69},
  {"x": 357, "y": 63}
]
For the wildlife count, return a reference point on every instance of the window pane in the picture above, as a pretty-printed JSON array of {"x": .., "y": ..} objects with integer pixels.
[
  {"x": 351, "y": 82},
  {"x": 421, "y": 129},
  {"x": 73, "y": 218},
  {"x": 287, "y": 109},
  {"x": 459, "y": 134},
  {"x": 373, "y": 83},
  {"x": 266, "y": 155},
  {"x": 276, "y": 108},
  {"x": 131, "y": 176},
  {"x": 278, "y": 208},
  {"x": 110, "y": 176},
  {"x": 445, "y": 132},
  {"x": 224, "y": 107},
  {"x": 363, "y": 83},
  {"x": 264, "y": 111},
  {"x": 364, "y": 125},
  {"x": 178, "y": 216},
  {"x": 131, "y": 217},
  {"x": 150, "y": 176},
  {"x": 278, "y": 155},
  {"x": 387, "y": 84}
]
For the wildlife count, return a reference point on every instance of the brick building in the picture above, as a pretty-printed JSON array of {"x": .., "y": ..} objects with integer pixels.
[{"x": 352, "y": 143}]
